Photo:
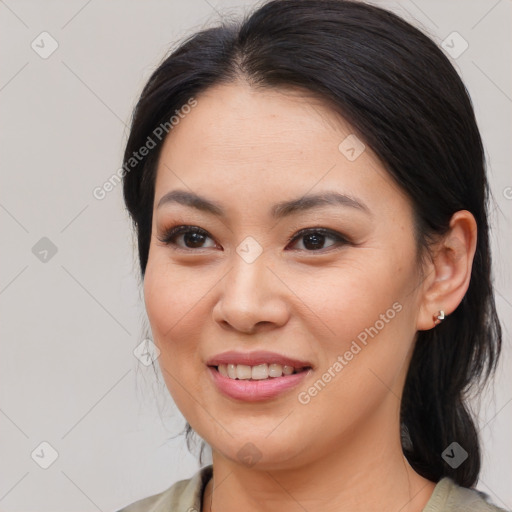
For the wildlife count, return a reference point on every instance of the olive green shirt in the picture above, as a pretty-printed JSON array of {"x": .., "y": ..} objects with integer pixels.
[{"x": 186, "y": 496}]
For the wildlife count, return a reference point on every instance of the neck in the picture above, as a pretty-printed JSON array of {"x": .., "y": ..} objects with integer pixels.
[{"x": 367, "y": 471}]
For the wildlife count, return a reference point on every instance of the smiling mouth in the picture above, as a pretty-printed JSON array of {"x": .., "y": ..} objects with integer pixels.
[{"x": 257, "y": 372}]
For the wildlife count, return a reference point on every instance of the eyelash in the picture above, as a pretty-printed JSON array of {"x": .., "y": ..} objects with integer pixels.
[{"x": 170, "y": 234}]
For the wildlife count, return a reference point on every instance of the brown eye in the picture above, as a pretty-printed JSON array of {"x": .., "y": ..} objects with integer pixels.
[
  {"x": 192, "y": 237},
  {"x": 313, "y": 239}
]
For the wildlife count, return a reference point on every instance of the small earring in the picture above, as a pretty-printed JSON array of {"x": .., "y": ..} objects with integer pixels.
[{"x": 439, "y": 317}]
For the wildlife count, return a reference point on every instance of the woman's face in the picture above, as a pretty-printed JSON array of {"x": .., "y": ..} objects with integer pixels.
[{"x": 338, "y": 303}]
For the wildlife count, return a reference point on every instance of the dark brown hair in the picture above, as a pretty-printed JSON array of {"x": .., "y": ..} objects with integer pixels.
[{"x": 404, "y": 99}]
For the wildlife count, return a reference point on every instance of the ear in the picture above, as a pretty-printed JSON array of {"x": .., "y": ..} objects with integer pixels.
[{"x": 448, "y": 273}]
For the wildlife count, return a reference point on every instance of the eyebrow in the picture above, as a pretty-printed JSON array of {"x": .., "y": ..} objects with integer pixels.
[{"x": 278, "y": 211}]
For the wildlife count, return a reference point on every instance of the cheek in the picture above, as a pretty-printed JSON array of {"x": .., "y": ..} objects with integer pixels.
[
  {"x": 174, "y": 300},
  {"x": 365, "y": 326},
  {"x": 173, "y": 304},
  {"x": 351, "y": 297},
  {"x": 173, "y": 296}
]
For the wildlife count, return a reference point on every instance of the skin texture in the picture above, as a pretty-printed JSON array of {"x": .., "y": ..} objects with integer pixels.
[{"x": 248, "y": 149}]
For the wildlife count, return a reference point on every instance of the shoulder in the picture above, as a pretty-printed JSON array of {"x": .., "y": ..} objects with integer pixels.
[
  {"x": 185, "y": 495},
  {"x": 450, "y": 497}
]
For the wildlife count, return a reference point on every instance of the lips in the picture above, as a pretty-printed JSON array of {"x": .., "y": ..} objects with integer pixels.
[{"x": 256, "y": 376}]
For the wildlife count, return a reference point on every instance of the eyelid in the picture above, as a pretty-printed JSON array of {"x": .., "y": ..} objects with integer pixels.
[
  {"x": 323, "y": 231},
  {"x": 178, "y": 229}
]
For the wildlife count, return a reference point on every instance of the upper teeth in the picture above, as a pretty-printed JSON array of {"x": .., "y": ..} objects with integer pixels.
[{"x": 258, "y": 372}]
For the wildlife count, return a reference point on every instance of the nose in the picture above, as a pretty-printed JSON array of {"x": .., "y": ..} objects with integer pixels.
[{"x": 251, "y": 298}]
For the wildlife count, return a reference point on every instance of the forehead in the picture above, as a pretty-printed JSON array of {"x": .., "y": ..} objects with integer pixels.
[
  {"x": 257, "y": 144},
  {"x": 233, "y": 120}
]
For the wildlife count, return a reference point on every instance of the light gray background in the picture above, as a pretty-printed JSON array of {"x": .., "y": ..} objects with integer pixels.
[{"x": 70, "y": 324}]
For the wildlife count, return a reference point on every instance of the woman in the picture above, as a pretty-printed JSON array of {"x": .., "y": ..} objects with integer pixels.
[{"x": 309, "y": 196}]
